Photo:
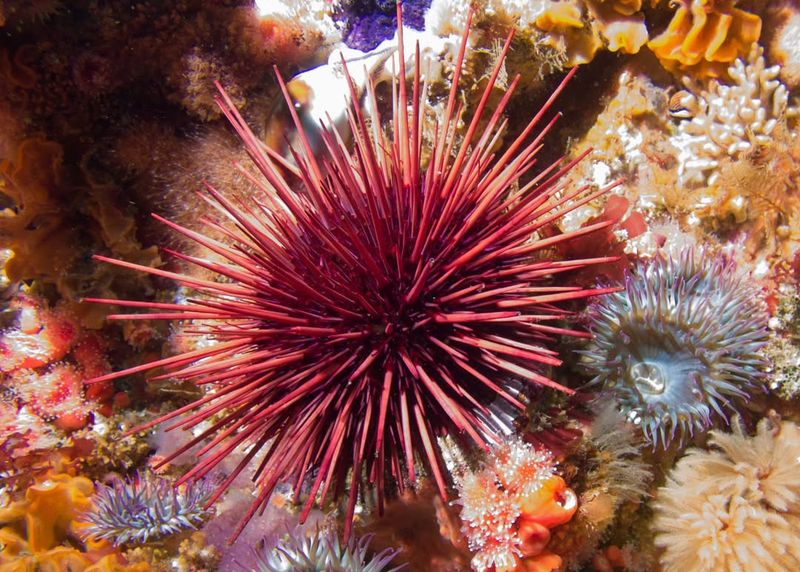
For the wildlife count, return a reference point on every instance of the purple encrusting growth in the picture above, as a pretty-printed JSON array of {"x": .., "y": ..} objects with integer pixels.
[
  {"x": 679, "y": 344},
  {"x": 366, "y": 23}
]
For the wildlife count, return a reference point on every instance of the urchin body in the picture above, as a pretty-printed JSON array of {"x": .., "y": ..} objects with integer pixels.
[
  {"x": 679, "y": 344},
  {"x": 389, "y": 301}
]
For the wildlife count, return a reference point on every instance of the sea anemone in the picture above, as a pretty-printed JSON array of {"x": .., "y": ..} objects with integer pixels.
[
  {"x": 680, "y": 343},
  {"x": 396, "y": 296},
  {"x": 736, "y": 507},
  {"x": 299, "y": 551},
  {"x": 146, "y": 508}
]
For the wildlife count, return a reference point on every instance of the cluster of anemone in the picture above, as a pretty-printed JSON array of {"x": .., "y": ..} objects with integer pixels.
[
  {"x": 146, "y": 508},
  {"x": 734, "y": 507},
  {"x": 510, "y": 505},
  {"x": 679, "y": 344},
  {"x": 301, "y": 550}
]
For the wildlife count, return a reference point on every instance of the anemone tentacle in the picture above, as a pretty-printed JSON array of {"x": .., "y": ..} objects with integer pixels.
[{"x": 680, "y": 344}]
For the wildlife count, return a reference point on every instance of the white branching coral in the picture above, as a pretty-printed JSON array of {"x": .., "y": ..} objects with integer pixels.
[
  {"x": 724, "y": 121},
  {"x": 736, "y": 507}
]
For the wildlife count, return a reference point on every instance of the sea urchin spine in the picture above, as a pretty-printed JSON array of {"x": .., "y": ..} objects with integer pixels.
[{"x": 382, "y": 305}]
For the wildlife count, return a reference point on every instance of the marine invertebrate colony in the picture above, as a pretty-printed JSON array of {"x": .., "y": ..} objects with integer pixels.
[
  {"x": 146, "y": 508},
  {"x": 39, "y": 531},
  {"x": 381, "y": 306},
  {"x": 321, "y": 550},
  {"x": 679, "y": 344},
  {"x": 509, "y": 507},
  {"x": 736, "y": 507},
  {"x": 610, "y": 474}
]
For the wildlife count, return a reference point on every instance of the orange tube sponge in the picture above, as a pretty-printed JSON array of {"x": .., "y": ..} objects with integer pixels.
[{"x": 705, "y": 37}]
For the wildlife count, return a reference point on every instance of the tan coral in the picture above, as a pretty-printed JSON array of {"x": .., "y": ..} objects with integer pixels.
[{"x": 705, "y": 37}]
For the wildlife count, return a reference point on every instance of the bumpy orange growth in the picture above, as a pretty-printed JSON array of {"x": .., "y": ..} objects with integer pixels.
[
  {"x": 580, "y": 29},
  {"x": 705, "y": 37},
  {"x": 567, "y": 31},
  {"x": 36, "y": 529},
  {"x": 35, "y": 231}
]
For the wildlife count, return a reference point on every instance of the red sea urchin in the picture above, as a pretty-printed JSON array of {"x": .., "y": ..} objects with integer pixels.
[{"x": 383, "y": 305}]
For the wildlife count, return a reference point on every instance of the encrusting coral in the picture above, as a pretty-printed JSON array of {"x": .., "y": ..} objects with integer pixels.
[
  {"x": 735, "y": 507},
  {"x": 509, "y": 507},
  {"x": 574, "y": 31},
  {"x": 39, "y": 531},
  {"x": 705, "y": 37},
  {"x": 45, "y": 358},
  {"x": 680, "y": 344},
  {"x": 37, "y": 225}
]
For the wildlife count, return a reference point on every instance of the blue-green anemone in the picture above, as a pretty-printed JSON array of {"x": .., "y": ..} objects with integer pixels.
[
  {"x": 145, "y": 508},
  {"x": 319, "y": 550},
  {"x": 679, "y": 344}
]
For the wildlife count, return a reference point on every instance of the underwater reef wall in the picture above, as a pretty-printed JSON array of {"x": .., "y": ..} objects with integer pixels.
[{"x": 373, "y": 285}]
